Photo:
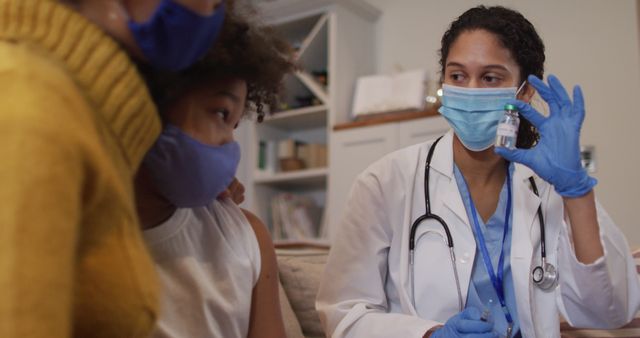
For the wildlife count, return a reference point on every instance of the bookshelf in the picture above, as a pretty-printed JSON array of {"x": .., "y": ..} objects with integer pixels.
[
  {"x": 315, "y": 177},
  {"x": 301, "y": 118},
  {"x": 334, "y": 43}
]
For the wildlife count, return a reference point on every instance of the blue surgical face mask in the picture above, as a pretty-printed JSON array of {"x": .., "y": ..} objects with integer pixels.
[
  {"x": 474, "y": 113},
  {"x": 189, "y": 173},
  {"x": 175, "y": 37}
]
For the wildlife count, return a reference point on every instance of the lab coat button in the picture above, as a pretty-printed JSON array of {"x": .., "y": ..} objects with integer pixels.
[{"x": 465, "y": 258}]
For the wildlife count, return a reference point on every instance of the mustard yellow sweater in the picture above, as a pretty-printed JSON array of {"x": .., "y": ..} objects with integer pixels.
[{"x": 75, "y": 121}]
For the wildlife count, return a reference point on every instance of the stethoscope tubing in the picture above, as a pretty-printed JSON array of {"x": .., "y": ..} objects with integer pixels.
[
  {"x": 426, "y": 216},
  {"x": 449, "y": 239}
]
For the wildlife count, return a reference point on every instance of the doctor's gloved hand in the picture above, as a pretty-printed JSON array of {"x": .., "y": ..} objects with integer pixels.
[
  {"x": 466, "y": 324},
  {"x": 556, "y": 156}
]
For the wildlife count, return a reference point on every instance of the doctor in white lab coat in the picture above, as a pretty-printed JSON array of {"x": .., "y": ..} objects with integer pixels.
[{"x": 366, "y": 289}]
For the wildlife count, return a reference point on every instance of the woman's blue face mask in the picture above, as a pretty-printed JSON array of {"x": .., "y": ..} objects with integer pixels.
[
  {"x": 175, "y": 37},
  {"x": 474, "y": 113}
]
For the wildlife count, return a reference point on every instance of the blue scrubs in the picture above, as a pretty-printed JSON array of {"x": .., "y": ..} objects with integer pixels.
[{"x": 481, "y": 291}]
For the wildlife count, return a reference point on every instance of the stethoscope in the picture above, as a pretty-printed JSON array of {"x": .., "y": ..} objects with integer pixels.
[{"x": 545, "y": 276}]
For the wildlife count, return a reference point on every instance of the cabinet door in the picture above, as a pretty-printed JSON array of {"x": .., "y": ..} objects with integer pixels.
[
  {"x": 421, "y": 130},
  {"x": 352, "y": 151}
]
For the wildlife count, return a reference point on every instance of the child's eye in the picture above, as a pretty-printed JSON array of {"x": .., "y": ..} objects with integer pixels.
[{"x": 224, "y": 113}]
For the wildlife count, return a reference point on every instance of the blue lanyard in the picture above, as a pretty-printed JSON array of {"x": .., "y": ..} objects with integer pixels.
[{"x": 496, "y": 280}]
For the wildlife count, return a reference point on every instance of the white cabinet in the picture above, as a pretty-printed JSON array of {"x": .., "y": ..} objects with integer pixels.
[
  {"x": 420, "y": 130},
  {"x": 331, "y": 37},
  {"x": 353, "y": 150}
]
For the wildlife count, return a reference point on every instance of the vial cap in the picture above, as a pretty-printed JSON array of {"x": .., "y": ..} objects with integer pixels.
[{"x": 510, "y": 107}]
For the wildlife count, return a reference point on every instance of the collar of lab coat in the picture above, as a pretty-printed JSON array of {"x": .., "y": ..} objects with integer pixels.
[{"x": 524, "y": 200}]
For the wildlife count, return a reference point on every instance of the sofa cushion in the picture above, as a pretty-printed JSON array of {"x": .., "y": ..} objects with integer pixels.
[
  {"x": 291, "y": 324},
  {"x": 300, "y": 272}
]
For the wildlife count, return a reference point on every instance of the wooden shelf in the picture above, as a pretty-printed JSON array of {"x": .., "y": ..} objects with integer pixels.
[
  {"x": 301, "y": 247},
  {"x": 386, "y": 118},
  {"x": 308, "y": 178},
  {"x": 301, "y": 118}
]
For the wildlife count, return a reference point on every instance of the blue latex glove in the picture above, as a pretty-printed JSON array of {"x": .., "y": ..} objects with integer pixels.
[
  {"x": 556, "y": 157},
  {"x": 466, "y": 324}
]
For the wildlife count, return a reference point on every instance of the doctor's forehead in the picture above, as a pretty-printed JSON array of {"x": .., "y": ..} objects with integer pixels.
[{"x": 480, "y": 48}]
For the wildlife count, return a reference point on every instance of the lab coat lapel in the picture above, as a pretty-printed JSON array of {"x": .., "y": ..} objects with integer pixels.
[
  {"x": 444, "y": 195},
  {"x": 524, "y": 240},
  {"x": 525, "y": 208},
  {"x": 442, "y": 163}
]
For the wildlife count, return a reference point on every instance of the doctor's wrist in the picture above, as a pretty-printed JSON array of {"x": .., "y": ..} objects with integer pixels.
[
  {"x": 573, "y": 183},
  {"x": 431, "y": 331}
]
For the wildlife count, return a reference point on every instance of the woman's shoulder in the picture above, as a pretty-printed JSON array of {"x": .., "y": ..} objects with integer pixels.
[
  {"x": 37, "y": 92},
  {"x": 23, "y": 62}
]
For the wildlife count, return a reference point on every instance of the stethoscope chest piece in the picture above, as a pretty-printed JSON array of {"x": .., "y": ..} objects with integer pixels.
[{"x": 545, "y": 276}]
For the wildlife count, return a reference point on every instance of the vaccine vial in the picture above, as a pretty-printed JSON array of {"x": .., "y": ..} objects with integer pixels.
[
  {"x": 486, "y": 314},
  {"x": 507, "y": 133}
]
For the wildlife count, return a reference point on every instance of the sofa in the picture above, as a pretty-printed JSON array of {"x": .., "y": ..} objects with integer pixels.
[{"x": 300, "y": 270}]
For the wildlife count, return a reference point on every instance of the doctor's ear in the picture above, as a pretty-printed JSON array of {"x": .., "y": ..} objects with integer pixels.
[{"x": 526, "y": 93}]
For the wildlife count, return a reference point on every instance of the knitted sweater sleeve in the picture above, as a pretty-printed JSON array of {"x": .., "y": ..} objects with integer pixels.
[{"x": 41, "y": 179}]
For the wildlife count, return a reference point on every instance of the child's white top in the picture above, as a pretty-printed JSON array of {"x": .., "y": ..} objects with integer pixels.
[{"x": 208, "y": 260}]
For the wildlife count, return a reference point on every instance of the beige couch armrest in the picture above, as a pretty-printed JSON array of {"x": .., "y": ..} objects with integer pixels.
[
  {"x": 291, "y": 324},
  {"x": 300, "y": 272}
]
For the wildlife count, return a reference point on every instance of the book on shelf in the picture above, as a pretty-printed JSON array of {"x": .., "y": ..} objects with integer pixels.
[
  {"x": 287, "y": 148},
  {"x": 273, "y": 155},
  {"x": 314, "y": 155},
  {"x": 295, "y": 217},
  {"x": 267, "y": 159}
]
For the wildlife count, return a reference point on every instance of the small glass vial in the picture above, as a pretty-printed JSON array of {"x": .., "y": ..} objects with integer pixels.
[{"x": 507, "y": 133}]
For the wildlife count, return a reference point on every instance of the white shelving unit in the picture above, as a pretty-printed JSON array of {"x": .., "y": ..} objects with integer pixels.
[
  {"x": 301, "y": 118},
  {"x": 315, "y": 177},
  {"x": 336, "y": 37}
]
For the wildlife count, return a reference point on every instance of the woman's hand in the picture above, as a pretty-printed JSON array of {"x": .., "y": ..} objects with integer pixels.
[{"x": 556, "y": 156}]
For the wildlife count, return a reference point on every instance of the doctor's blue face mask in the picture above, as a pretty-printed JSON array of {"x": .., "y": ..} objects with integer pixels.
[
  {"x": 474, "y": 113},
  {"x": 175, "y": 37}
]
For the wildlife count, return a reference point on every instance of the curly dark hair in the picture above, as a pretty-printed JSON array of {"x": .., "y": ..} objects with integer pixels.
[
  {"x": 245, "y": 49},
  {"x": 516, "y": 34}
]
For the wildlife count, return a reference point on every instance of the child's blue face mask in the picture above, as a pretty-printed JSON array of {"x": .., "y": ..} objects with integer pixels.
[
  {"x": 474, "y": 113},
  {"x": 176, "y": 37},
  {"x": 187, "y": 172}
]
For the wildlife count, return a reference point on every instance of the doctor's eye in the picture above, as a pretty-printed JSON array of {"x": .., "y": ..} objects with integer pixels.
[
  {"x": 456, "y": 77},
  {"x": 491, "y": 79}
]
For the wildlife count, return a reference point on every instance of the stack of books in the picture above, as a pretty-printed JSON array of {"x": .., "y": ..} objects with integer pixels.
[
  {"x": 294, "y": 217},
  {"x": 271, "y": 155}
]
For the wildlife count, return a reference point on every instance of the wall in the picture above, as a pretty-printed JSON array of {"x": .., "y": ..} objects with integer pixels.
[{"x": 593, "y": 43}]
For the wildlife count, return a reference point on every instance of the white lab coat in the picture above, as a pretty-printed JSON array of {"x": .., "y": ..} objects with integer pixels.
[{"x": 366, "y": 291}]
